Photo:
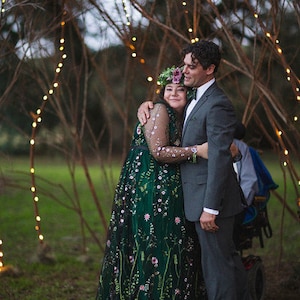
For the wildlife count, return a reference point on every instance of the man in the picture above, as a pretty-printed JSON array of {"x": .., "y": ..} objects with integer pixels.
[
  {"x": 247, "y": 179},
  {"x": 212, "y": 196}
]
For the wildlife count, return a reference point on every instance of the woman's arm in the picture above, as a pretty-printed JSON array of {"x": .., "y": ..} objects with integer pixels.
[{"x": 156, "y": 131}]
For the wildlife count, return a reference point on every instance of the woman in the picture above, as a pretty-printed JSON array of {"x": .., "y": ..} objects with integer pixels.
[{"x": 150, "y": 252}]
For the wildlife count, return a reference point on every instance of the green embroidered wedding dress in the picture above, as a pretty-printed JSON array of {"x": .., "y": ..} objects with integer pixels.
[{"x": 151, "y": 251}]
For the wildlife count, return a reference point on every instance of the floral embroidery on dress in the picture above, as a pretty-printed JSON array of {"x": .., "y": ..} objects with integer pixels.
[{"x": 150, "y": 254}]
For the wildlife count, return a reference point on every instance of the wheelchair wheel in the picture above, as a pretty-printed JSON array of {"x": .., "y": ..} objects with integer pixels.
[{"x": 256, "y": 280}]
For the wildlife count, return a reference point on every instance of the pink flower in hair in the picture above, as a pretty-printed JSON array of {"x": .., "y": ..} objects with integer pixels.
[{"x": 177, "y": 74}]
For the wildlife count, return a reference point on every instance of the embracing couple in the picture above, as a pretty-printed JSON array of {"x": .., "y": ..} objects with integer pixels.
[{"x": 211, "y": 193}]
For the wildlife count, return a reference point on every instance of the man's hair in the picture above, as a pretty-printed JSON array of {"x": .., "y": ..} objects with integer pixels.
[
  {"x": 206, "y": 52},
  {"x": 240, "y": 131}
]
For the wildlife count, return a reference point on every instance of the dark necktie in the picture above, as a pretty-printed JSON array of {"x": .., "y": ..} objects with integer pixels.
[{"x": 192, "y": 94}]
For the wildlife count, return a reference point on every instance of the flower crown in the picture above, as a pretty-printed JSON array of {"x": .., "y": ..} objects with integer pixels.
[{"x": 171, "y": 75}]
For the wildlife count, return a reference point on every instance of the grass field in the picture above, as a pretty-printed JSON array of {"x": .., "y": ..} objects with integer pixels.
[{"x": 74, "y": 274}]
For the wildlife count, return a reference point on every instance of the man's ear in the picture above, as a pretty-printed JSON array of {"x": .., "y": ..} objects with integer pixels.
[{"x": 210, "y": 70}]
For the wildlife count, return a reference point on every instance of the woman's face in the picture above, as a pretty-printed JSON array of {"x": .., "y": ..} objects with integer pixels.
[{"x": 175, "y": 95}]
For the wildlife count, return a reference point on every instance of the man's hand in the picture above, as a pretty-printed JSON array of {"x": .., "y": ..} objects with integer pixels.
[
  {"x": 207, "y": 222},
  {"x": 143, "y": 113}
]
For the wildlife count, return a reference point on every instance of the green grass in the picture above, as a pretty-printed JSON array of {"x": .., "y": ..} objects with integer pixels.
[
  {"x": 286, "y": 230},
  {"x": 70, "y": 278}
]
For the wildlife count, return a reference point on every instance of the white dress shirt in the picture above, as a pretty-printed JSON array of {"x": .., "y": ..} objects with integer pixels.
[{"x": 200, "y": 91}]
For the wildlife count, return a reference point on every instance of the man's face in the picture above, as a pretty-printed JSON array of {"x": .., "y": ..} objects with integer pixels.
[{"x": 194, "y": 74}]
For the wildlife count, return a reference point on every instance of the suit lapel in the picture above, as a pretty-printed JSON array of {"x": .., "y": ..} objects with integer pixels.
[{"x": 200, "y": 102}]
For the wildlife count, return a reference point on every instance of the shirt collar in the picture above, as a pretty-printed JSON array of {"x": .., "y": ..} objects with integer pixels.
[{"x": 202, "y": 89}]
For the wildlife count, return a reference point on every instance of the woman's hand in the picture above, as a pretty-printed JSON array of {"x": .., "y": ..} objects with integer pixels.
[
  {"x": 144, "y": 111},
  {"x": 234, "y": 150},
  {"x": 202, "y": 150}
]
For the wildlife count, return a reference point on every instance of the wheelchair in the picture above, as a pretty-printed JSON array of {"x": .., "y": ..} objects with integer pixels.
[{"x": 255, "y": 225}]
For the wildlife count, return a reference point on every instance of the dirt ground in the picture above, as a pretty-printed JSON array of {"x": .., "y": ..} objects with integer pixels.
[
  {"x": 282, "y": 282},
  {"x": 70, "y": 281}
]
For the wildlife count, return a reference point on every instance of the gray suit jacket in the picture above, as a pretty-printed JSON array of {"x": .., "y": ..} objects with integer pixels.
[{"x": 211, "y": 183}]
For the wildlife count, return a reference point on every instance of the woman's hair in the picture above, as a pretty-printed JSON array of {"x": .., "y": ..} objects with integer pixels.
[
  {"x": 162, "y": 92},
  {"x": 206, "y": 52}
]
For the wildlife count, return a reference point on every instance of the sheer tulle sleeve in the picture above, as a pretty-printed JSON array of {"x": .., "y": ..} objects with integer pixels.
[{"x": 156, "y": 131}]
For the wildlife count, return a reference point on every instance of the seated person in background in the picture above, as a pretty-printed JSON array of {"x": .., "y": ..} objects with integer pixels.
[
  {"x": 246, "y": 176},
  {"x": 244, "y": 168}
]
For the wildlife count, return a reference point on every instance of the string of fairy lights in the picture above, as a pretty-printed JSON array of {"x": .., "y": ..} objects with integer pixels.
[
  {"x": 37, "y": 117},
  {"x": 1, "y": 256},
  {"x": 292, "y": 78}
]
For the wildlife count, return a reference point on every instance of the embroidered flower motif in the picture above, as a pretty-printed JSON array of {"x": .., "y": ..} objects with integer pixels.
[
  {"x": 138, "y": 130},
  {"x": 142, "y": 287},
  {"x": 177, "y": 142},
  {"x": 154, "y": 261},
  {"x": 177, "y": 291},
  {"x": 177, "y": 220},
  {"x": 108, "y": 243},
  {"x": 131, "y": 258},
  {"x": 147, "y": 217}
]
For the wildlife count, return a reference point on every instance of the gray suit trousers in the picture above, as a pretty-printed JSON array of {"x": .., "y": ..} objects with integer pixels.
[{"x": 223, "y": 270}]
